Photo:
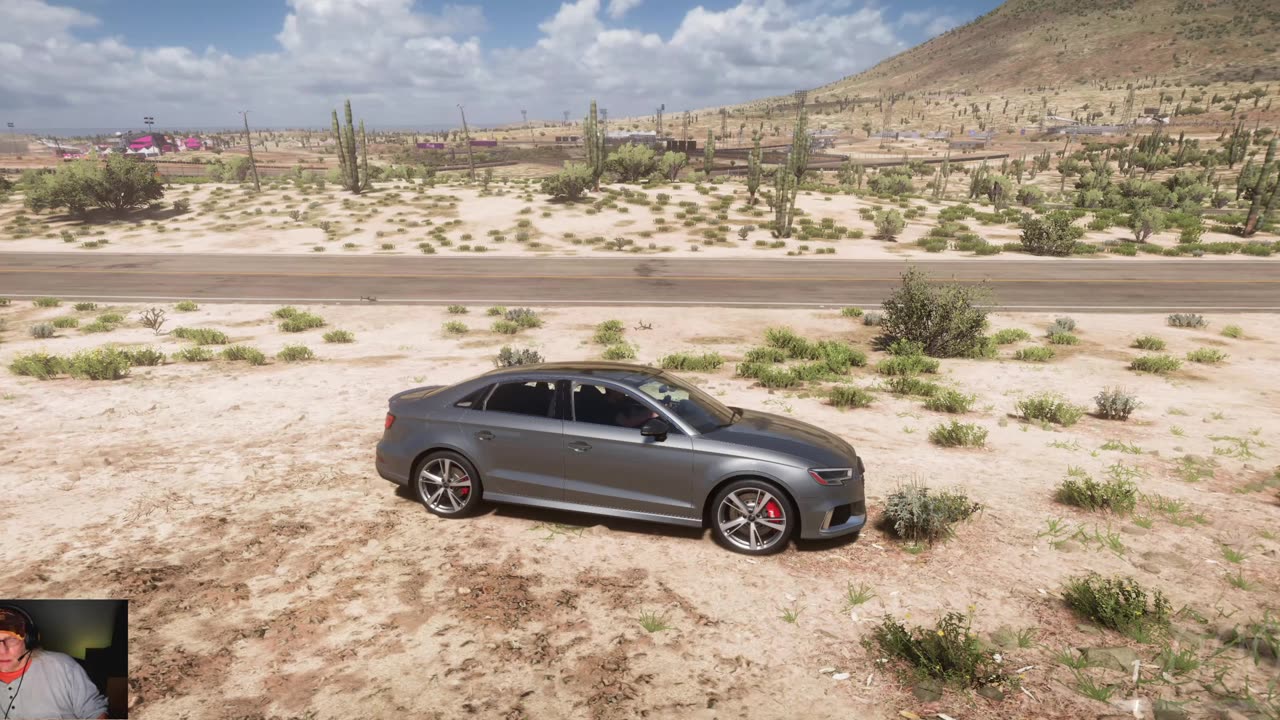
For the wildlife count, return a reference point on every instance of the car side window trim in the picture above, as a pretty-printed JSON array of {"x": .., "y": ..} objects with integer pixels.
[{"x": 571, "y": 416}]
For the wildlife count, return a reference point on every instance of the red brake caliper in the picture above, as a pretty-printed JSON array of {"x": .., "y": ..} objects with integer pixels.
[
  {"x": 772, "y": 510},
  {"x": 463, "y": 491}
]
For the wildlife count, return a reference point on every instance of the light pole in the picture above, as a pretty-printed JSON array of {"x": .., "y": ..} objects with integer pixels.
[
  {"x": 248, "y": 141},
  {"x": 471, "y": 160},
  {"x": 524, "y": 114},
  {"x": 11, "y": 138},
  {"x": 149, "y": 122}
]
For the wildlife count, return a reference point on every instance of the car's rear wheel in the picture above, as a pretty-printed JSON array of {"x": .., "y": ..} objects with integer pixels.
[
  {"x": 447, "y": 484},
  {"x": 752, "y": 517}
]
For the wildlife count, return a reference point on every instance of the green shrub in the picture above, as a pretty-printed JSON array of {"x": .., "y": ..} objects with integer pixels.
[
  {"x": 186, "y": 306},
  {"x": 46, "y": 302},
  {"x": 1063, "y": 339},
  {"x": 1050, "y": 407},
  {"x": 339, "y": 336},
  {"x": 1206, "y": 355},
  {"x": 839, "y": 357},
  {"x": 788, "y": 341},
  {"x": 949, "y": 401},
  {"x": 65, "y": 322},
  {"x": 111, "y": 318},
  {"x": 873, "y": 319},
  {"x": 86, "y": 306},
  {"x": 851, "y": 312},
  {"x": 619, "y": 351},
  {"x": 457, "y": 309},
  {"x": 957, "y": 434},
  {"x": 1038, "y": 353},
  {"x": 911, "y": 385},
  {"x": 251, "y": 355},
  {"x": 918, "y": 514},
  {"x": 1187, "y": 320},
  {"x": 950, "y": 652},
  {"x": 775, "y": 378},
  {"x": 1118, "y": 603},
  {"x": 947, "y": 320},
  {"x": 143, "y": 356},
  {"x": 295, "y": 353},
  {"x": 847, "y": 396},
  {"x": 301, "y": 321},
  {"x": 1053, "y": 234},
  {"x": 691, "y": 363},
  {"x": 1233, "y": 331},
  {"x": 907, "y": 365},
  {"x": 42, "y": 331},
  {"x": 1116, "y": 495},
  {"x": 455, "y": 327},
  {"x": 765, "y": 355},
  {"x": 905, "y": 348},
  {"x": 1115, "y": 404},
  {"x": 99, "y": 364},
  {"x": 509, "y": 356},
  {"x": 1009, "y": 336},
  {"x": 1061, "y": 325},
  {"x": 496, "y": 311},
  {"x": 38, "y": 365},
  {"x": 98, "y": 326},
  {"x": 505, "y": 327},
  {"x": 1158, "y": 364},
  {"x": 1148, "y": 342},
  {"x": 524, "y": 317},
  {"x": 285, "y": 312},
  {"x": 201, "y": 336},
  {"x": 198, "y": 353}
]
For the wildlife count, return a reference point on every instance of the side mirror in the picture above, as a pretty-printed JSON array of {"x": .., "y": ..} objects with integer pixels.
[{"x": 656, "y": 428}]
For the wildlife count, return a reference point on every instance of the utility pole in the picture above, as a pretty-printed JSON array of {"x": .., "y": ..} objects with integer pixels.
[
  {"x": 248, "y": 141},
  {"x": 524, "y": 114},
  {"x": 471, "y": 158},
  {"x": 658, "y": 134},
  {"x": 686, "y": 126},
  {"x": 11, "y": 138},
  {"x": 566, "y": 118}
]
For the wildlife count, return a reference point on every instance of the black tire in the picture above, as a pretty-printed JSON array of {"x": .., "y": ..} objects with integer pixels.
[
  {"x": 776, "y": 506},
  {"x": 467, "y": 498}
]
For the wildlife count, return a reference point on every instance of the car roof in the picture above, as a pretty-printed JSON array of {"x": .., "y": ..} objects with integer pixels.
[{"x": 621, "y": 372}]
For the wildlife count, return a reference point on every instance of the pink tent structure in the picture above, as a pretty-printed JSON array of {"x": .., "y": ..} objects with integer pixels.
[
  {"x": 192, "y": 143},
  {"x": 159, "y": 142}
]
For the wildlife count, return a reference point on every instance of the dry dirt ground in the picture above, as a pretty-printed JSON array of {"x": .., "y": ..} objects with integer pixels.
[{"x": 273, "y": 574}]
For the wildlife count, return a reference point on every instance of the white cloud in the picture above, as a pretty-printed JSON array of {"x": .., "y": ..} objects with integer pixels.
[
  {"x": 940, "y": 24},
  {"x": 618, "y": 8},
  {"x": 401, "y": 66}
]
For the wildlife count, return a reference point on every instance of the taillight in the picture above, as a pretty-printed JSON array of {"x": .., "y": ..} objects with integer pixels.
[{"x": 390, "y": 420}]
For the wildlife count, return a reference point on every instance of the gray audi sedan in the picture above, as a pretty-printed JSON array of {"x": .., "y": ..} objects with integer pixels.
[{"x": 626, "y": 441}]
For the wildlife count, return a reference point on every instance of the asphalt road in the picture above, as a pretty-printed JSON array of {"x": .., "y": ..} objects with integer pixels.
[{"x": 1112, "y": 284}]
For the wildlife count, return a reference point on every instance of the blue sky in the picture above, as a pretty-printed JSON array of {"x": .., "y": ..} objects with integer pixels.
[{"x": 82, "y": 63}]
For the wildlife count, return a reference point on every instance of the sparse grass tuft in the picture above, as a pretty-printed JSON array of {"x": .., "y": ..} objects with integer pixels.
[
  {"x": 1038, "y": 353},
  {"x": 86, "y": 306},
  {"x": 339, "y": 336},
  {"x": 1206, "y": 355},
  {"x": 251, "y": 355},
  {"x": 457, "y": 309},
  {"x": 652, "y": 622},
  {"x": 186, "y": 306},
  {"x": 950, "y": 401},
  {"x": 1158, "y": 364},
  {"x": 1118, "y": 603},
  {"x": 957, "y": 434},
  {"x": 764, "y": 355},
  {"x": 1009, "y": 336},
  {"x": 46, "y": 302},
  {"x": 1234, "y": 332},
  {"x": 1050, "y": 407},
  {"x": 201, "y": 336},
  {"x": 65, "y": 322},
  {"x": 851, "y": 312},
  {"x": 505, "y": 327},
  {"x": 144, "y": 356},
  {"x": 496, "y": 311},
  {"x": 906, "y": 365},
  {"x": 910, "y": 385},
  {"x": 295, "y": 353},
  {"x": 456, "y": 327},
  {"x": 1149, "y": 342},
  {"x": 198, "y": 353},
  {"x": 950, "y": 652},
  {"x": 1116, "y": 495},
  {"x": 855, "y": 596},
  {"x": 691, "y": 363},
  {"x": 1063, "y": 339},
  {"x": 847, "y": 396},
  {"x": 300, "y": 322}
]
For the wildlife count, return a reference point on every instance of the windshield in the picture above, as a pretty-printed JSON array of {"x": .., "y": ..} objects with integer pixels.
[{"x": 694, "y": 406}]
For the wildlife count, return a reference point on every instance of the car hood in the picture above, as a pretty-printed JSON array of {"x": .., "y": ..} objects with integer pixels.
[{"x": 788, "y": 436}]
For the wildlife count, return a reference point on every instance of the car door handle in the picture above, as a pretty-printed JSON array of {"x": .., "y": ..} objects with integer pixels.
[
  {"x": 579, "y": 446},
  {"x": 484, "y": 435}
]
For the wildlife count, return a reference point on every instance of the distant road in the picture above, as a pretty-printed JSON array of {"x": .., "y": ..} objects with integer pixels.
[{"x": 1114, "y": 284}]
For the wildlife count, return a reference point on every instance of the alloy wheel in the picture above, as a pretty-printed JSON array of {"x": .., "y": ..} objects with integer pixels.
[
  {"x": 752, "y": 518},
  {"x": 444, "y": 485}
]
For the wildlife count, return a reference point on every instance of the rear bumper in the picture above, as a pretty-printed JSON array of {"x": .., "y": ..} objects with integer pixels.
[{"x": 390, "y": 466}]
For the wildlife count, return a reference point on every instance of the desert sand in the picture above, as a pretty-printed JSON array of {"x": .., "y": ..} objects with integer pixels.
[{"x": 272, "y": 573}]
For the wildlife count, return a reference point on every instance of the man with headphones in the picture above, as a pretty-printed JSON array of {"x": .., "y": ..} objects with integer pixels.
[{"x": 37, "y": 683}]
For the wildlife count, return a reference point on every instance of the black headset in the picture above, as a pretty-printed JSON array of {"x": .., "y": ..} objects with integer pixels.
[{"x": 32, "y": 635}]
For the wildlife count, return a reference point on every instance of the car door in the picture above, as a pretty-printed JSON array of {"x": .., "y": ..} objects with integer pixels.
[
  {"x": 516, "y": 440},
  {"x": 610, "y": 465}
]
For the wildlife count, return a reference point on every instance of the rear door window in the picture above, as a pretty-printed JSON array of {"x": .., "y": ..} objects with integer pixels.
[{"x": 535, "y": 398}]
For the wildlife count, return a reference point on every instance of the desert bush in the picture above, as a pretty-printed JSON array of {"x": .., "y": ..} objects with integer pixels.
[
  {"x": 295, "y": 353},
  {"x": 46, "y": 302},
  {"x": 99, "y": 364},
  {"x": 63, "y": 323},
  {"x": 1115, "y": 404},
  {"x": 1118, "y": 603},
  {"x": 111, "y": 318},
  {"x": 1148, "y": 342},
  {"x": 251, "y": 355},
  {"x": 1116, "y": 495},
  {"x": 198, "y": 353},
  {"x": 201, "y": 336},
  {"x": 1050, "y": 407},
  {"x": 773, "y": 377},
  {"x": 847, "y": 396},
  {"x": 505, "y": 327},
  {"x": 619, "y": 351},
  {"x": 1052, "y": 234},
  {"x": 691, "y": 363},
  {"x": 1061, "y": 325},
  {"x": 905, "y": 348},
  {"x": 947, "y": 320},
  {"x": 186, "y": 306},
  {"x": 98, "y": 326},
  {"x": 301, "y": 321},
  {"x": 608, "y": 332},
  {"x": 765, "y": 355},
  {"x": 496, "y": 311},
  {"x": 1063, "y": 339},
  {"x": 118, "y": 184},
  {"x": 42, "y": 331},
  {"x": 889, "y": 224},
  {"x": 38, "y": 365},
  {"x": 285, "y": 312},
  {"x": 1158, "y": 364},
  {"x": 457, "y": 309},
  {"x": 1034, "y": 354},
  {"x": 86, "y": 306},
  {"x": 1188, "y": 320},
  {"x": 456, "y": 327},
  {"x": 918, "y": 514},
  {"x": 949, "y": 401},
  {"x": 143, "y": 356},
  {"x": 792, "y": 344},
  {"x": 851, "y": 312},
  {"x": 524, "y": 317},
  {"x": 152, "y": 319},
  {"x": 509, "y": 356},
  {"x": 1009, "y": 336},
  {"x": 911, "y": 385},
  {"x": 957, "y": 434},
  {"x": 907, "y": 365},
  {"x": 873, "y": 319},
  {"x": 339, "y": 336},
  {"x": 950, "y": 652},
  {"x": 571, "y": 183},
  {"x": 1234, "y": 332},
  {"x": 1206, "y": 355}
]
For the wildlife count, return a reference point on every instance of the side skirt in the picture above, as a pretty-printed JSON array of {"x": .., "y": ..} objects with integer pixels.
[{"x": 592, "y": 509}]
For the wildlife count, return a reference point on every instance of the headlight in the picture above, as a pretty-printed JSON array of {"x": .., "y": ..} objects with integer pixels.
[{"x": 831, "y": 476}]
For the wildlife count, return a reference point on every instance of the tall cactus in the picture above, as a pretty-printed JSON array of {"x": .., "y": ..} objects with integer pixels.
[
  {"x": 709, "y": 154},
  {"x": 787, "y": 182},
  {"x": 342, "y": 155},
  {"x": 349, "y": 165},
  {"x": 753, "y": 168},
  {"x": 363, "y": 180},
  {"x": 1260, "y": 189},
  {"x": 593, "y": 138}
]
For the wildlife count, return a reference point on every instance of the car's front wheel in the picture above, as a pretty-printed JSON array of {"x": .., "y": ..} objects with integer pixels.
[
  {"x": 447, "y": 484},
  {"x": 752, "y": 517}
]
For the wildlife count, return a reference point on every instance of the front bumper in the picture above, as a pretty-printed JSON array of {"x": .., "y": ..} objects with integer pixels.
[{"x": 842, "y": 511}]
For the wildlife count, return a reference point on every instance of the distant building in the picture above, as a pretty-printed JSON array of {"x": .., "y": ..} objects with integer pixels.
[
  {"x": 969, "y": 144},
  {"x": 160, "y": 143},
  {"x": 1087, "y": 130}
]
